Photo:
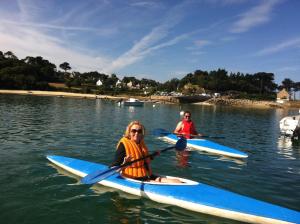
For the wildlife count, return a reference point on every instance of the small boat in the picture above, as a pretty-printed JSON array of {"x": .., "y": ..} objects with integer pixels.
[
  {"x": 290, "y": 125},
  {"x": 208, "y": 146},
  {"x": 133, "y": 102},
  {"x": 189, "y": 195}
]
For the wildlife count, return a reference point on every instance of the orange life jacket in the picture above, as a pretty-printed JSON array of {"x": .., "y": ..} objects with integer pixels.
[
  {"x": 187, "y": 128},
  {"x": 136, "y": 151}
]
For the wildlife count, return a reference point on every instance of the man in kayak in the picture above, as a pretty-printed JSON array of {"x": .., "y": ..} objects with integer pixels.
[
  {"x": 132, "y": 147},
  {"x": 186, "y": 126}
]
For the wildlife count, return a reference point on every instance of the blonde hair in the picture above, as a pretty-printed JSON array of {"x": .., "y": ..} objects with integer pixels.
[{"x": 128, "y": 129}]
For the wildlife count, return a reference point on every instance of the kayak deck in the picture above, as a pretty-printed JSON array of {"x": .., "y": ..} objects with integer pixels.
[
  {"x": 190, "y": 195},
  {"x": 209, "y": 146}
]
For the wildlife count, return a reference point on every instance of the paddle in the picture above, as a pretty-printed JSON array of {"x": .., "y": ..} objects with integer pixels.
[
  {"x": 101, "y": 175},
  {"x": 162, "y": 132}
]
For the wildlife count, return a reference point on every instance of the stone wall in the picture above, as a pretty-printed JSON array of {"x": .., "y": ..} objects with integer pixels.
[
  {"x": 169, "y": 99},
  {"x": 179, "y": 99}
]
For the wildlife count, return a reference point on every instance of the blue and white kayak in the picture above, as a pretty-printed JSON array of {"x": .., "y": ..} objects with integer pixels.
[
  {"x": 189, "y": 195},
  {"x": 208, "y": 146}
]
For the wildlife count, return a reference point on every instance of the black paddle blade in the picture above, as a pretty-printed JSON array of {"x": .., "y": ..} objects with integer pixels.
[
  {"x": 181, "y": 144},
  {"x": 160, "y": 132}
]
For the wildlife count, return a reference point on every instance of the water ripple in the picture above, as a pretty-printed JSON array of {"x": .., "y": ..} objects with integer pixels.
[{"x": 32, "y": 191}]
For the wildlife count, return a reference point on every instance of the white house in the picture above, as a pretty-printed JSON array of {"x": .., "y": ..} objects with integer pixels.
[
  {"x": 217, "y": 94},
  {"x": 129, "y": 84},
  {"x": 99, "y": 83},
  {"x": 118, "y": 83}
]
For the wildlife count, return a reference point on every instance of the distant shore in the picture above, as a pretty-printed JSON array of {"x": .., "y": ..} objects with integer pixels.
[{"x": 161, "y": 99}]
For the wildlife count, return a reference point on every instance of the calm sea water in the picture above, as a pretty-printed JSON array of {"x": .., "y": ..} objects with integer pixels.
[{"x": 33, "y": 191}]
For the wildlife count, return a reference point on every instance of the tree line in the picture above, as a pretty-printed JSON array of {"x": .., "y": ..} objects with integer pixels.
[{"x": 35, "y": 73}]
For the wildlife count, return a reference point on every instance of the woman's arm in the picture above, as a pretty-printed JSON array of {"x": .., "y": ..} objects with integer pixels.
[{"x": 119, "y": 156}]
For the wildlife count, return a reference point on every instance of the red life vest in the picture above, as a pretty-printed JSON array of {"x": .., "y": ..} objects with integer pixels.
[
  {"x": 136, "y": 151},
  {"x": 187, "y": 128}
]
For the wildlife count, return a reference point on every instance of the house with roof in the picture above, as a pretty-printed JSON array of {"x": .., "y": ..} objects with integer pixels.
[{"x": 283, "y": 96}]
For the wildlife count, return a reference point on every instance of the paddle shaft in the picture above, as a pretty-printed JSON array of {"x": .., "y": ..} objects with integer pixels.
[{"x": 100, "y": 175}]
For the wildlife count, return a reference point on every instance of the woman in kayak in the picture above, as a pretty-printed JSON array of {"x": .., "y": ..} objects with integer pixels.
[
  {"x": 132, "y": 147},
  {"x": 186, "y": 126}
]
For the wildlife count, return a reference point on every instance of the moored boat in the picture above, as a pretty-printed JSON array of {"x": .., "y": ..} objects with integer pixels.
[
  {"x": 133, "y": 102},
  {"x": 189, "y": 195},
  {"x": 290, "y": 126},
  {"x": 208, "y": 146}
]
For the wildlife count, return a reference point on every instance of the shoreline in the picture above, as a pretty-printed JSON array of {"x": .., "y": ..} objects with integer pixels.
[{"x": 223, "y": 101}]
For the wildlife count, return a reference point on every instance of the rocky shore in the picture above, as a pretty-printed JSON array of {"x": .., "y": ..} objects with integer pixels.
[{"x": 243, "y": 102}]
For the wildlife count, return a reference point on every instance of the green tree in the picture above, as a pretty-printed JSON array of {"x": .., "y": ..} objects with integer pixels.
[
  {"x": 44, "y": 68},
  {"x": 264, "y": 81},
  {"x": 1, "y": 55},
  {"x": 65, "y": 66},
  {"x": 287, "y": 84},
  {"x": 148, "y": 83},
  {"x": 169, "y": 86},
  {"x": 10, "y": 55},
  {"x": 110, "y": 82},
  {"x": 130, "y": 79}
]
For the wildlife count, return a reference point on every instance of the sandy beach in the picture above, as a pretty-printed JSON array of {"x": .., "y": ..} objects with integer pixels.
[{"x": 59, "y": 94}]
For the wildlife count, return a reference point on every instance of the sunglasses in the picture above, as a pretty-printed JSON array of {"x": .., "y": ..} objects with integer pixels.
[
  {"x": 140, "y": 131},
  {"x": 187, "y": 116}
]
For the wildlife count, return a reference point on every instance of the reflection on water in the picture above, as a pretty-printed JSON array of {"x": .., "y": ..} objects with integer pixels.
[
  {"x": 63, "y": 172},
  {"x": 131, "y": 109},
  {"x": 230, "y": 159},
  {"x": 183, "y": 158},
  {"x": 284, "y": 143},
  {"x": 288, "y": 148}
]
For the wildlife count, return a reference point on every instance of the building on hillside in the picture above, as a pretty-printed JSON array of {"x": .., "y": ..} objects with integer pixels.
[
  {"x": 283, "y": 96},
  {"x": 72, "y": 75},
  {"x": 129, "y": 85},
  {"x": 99, "y": 83},
  {"x": 118, "y": 83}
]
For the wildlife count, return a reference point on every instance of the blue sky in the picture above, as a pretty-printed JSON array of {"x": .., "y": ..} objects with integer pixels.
[{"x": 155, "y": 39}]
